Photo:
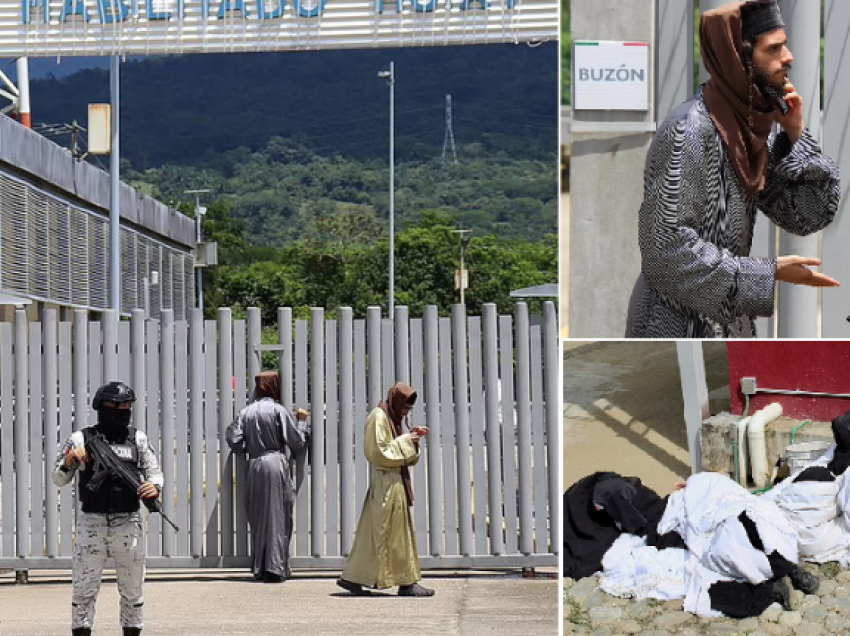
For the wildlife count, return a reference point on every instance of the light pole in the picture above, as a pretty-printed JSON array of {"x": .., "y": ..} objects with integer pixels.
[
  {"x": 461, "y": 282},
  {"x": 390, "y": 77},
  {"x": 199, "y": 212}
]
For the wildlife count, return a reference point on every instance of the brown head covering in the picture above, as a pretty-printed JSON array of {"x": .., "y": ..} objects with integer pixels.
[
  {"x": 400, "y": 394},
  {"x": 742, "y": 115},
  {"x": 268, "y": 385}
]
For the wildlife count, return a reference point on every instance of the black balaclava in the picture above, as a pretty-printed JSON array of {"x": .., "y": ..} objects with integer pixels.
[
  {"x": 616, "y": 497},
  {"x": 841, "y": 432},
  {"x": 114, "y": 422}
]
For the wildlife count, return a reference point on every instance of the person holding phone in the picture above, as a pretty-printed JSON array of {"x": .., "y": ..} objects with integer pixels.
[
  {"x": 384, "y": 551},
  {"x": 713, "y": 164}
]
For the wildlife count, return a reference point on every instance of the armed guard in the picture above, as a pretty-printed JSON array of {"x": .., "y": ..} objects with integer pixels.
[{"x": 110, "y": 524}]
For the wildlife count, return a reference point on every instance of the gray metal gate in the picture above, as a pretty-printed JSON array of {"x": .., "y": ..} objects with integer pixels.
[{"x": 487, "y": 484}]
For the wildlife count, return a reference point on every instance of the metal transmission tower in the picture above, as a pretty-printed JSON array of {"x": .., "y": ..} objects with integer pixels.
[{"x": 449, "y": 139}]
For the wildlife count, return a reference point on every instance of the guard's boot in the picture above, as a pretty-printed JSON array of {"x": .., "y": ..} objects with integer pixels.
[
  {"x": 81, "y": 631},
  {"x": 414, "y": 590},
  {"x": 782, "y": 594},
  {"x": 803, "y": 580},
  {"x": 132, "y": 631}
]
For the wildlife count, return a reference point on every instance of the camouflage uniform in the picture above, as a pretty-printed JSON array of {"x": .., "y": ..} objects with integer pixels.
[{"x": 99, "y": 536}]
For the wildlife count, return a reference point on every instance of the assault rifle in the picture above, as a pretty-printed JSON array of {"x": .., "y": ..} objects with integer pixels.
[{"x": 107, "y": 464}]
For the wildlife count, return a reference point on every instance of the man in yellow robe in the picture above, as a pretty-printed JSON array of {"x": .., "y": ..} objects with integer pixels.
[{"x": 384, "y": 552}]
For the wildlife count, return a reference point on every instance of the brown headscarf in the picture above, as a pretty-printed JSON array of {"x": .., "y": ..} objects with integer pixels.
[
  {"x": 268, "y": 385},
  {"x": 738, "y": 109},
  {"x": 400, "y": 394}
]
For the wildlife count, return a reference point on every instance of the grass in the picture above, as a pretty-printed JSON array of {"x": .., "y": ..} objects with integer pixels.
[{"x": 575, "y": 614}]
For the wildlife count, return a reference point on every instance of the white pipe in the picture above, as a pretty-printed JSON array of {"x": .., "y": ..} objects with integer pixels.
[
  {"x": 756, "y": 439},
  {"x": 741, "y": 430}
]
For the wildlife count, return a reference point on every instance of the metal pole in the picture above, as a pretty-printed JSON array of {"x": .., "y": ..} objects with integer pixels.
[
  {"x": 798, "y": 304},
  {"x": 115, "y": 190},
  {"x": 24, "y": 113},
  {"x": 200, "y": 275},
  {"x": 391, "y": 311},
  {"x": 462, "y": 286},
  {"x": 695, "y": 396}
]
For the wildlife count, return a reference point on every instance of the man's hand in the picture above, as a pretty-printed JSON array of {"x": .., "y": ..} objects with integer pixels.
[
  {"x": 148, "y": 491},
  {"x": 793, "y": 122},
  {"x": 792, "y": 269},
  {"x": 76, "y": 454}
]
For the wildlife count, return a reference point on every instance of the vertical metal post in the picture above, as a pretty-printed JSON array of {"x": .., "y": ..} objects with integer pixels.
[
  {"x": 225, "y": 417},
  {"x": 391, "y": 310},
  {"x": 695, "y": 395},
  {"x": 109, "y": 325},
  {"x": 51, "y": 426},
  {"x": 166, "y": 376},
  {"x": 523, "y": 407},
  {"x": 346, "y": 428},
  {"x": 137, "y": 370},
  {"x": 255, "y": 334},
  {"x": 81, "y": 370},
  {"x": 491, "y": 406},
  {"x": 21, "y": 426},
  {"x": 552, "y": 390},
  {"x": 402, "y": 346},
  {"x": 373, "y": 336},
  {"x": 115, "y": 189},
  {"x": 798, "y": 304},
  {"x": 23, "y": 73},
  {"x": 461, "y": 400},
  {"x": 317, "y": 439},
  {"x": 675, "y": 61},
  {"x": 432, "y": 415},
  {"x": 196, "y": 430},
  {"x": 836, "y": 144}
]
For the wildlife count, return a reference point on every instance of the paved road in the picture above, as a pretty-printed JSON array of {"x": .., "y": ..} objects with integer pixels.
[{"x": 228, "y": 602}]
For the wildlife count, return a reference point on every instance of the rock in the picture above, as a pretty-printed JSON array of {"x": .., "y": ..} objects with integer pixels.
[
  {"x": 582, "y": 589},
  {"x": 797, "y": 599},
  {"x": 758, "y": 633},
  {"x": 640, "y": 610},
  {"x": 827, "y": 588},
  {"x": 671, "y": 620},
  {"x": 842, "y": 605},
  {"x": 811, "y": 599},
  {"x": 722, "y": 629},
  {"x": 836, "y": 624},
  {"x": 597, "y": 598},
  {"x": 676, "y": 605},
  {"x": 654, "y": 632},
  {"x": 772, "y": 628},
  {"x": 627, "y": 626},
  {"x": 843, "y": 577},
  {"x": 690, "y": 631},
  {"x": 772, "y": 613},
  {"x": 568, "y": 583},
  {"x": 615, "y": 601},
  {"x": 749, "y": 624},
  {"x": 790, "y": 619},
  {"x": 815, "y": 613},
  {"x": 603, "y": 631},
  {"x": 842, "y": 592},
  {"x": 829, "y": 602},
  {"x": 809, "y": 629},
  {"x": 603, "y": 615}
]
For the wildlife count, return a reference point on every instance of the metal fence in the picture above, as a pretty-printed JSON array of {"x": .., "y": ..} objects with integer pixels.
[{"x": 486, "y": 485}]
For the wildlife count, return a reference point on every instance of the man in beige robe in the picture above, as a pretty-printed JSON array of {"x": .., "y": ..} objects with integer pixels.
[{"x": 384, "y": 553}]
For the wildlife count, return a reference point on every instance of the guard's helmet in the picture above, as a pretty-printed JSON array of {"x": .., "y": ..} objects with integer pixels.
[{"x": 116, "y": 392}]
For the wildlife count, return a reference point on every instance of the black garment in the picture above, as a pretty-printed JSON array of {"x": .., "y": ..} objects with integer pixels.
[
  {"x": 589, "y": 533},
  {"x": 113, "y": 495},
  {"x": 740, "y": 599},
  {"x": 815, "y": 473},
  {"x": 841, "y": 433}
]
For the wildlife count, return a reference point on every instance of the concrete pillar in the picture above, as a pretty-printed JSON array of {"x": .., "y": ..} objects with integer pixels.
[
  {"x": 836, "y": 144},
  {"x": 606, "y": 178},
  {"x": 798, "y": 305}
]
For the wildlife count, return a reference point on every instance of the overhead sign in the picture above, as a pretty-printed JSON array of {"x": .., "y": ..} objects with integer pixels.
[
  {"x": 46, "y": 28},
  {"x": 611, "y": 75}
]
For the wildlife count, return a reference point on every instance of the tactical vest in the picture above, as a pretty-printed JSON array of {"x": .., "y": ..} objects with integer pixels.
[{"x": 112, "y": 496}]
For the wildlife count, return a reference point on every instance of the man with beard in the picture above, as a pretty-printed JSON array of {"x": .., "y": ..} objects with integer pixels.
[
  {"x": 110, "y": 524},
  {"x": 712, "y": 166}
]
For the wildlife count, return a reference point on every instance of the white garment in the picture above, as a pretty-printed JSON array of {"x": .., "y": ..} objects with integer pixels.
[
  {"x": 819, "y": 512},
  {"x": 631, "y": 569},
  {"x": 706, "y": 514}
]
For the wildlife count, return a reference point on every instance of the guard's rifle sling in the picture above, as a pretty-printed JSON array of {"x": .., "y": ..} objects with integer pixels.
[{"x": 108, "y": 464}]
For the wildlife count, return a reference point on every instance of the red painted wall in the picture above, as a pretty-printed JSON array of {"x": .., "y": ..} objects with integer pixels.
[{"x": 822, "y": 366}]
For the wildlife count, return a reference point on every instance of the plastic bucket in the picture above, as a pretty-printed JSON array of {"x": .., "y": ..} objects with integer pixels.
[{"x": 801, "y": 455}]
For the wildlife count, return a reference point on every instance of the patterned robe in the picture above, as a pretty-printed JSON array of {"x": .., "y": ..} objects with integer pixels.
[{"x": 696, "y": 227}]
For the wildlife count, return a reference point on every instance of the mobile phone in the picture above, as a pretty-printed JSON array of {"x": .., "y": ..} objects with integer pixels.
[{"x": 783, "y": 106}]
